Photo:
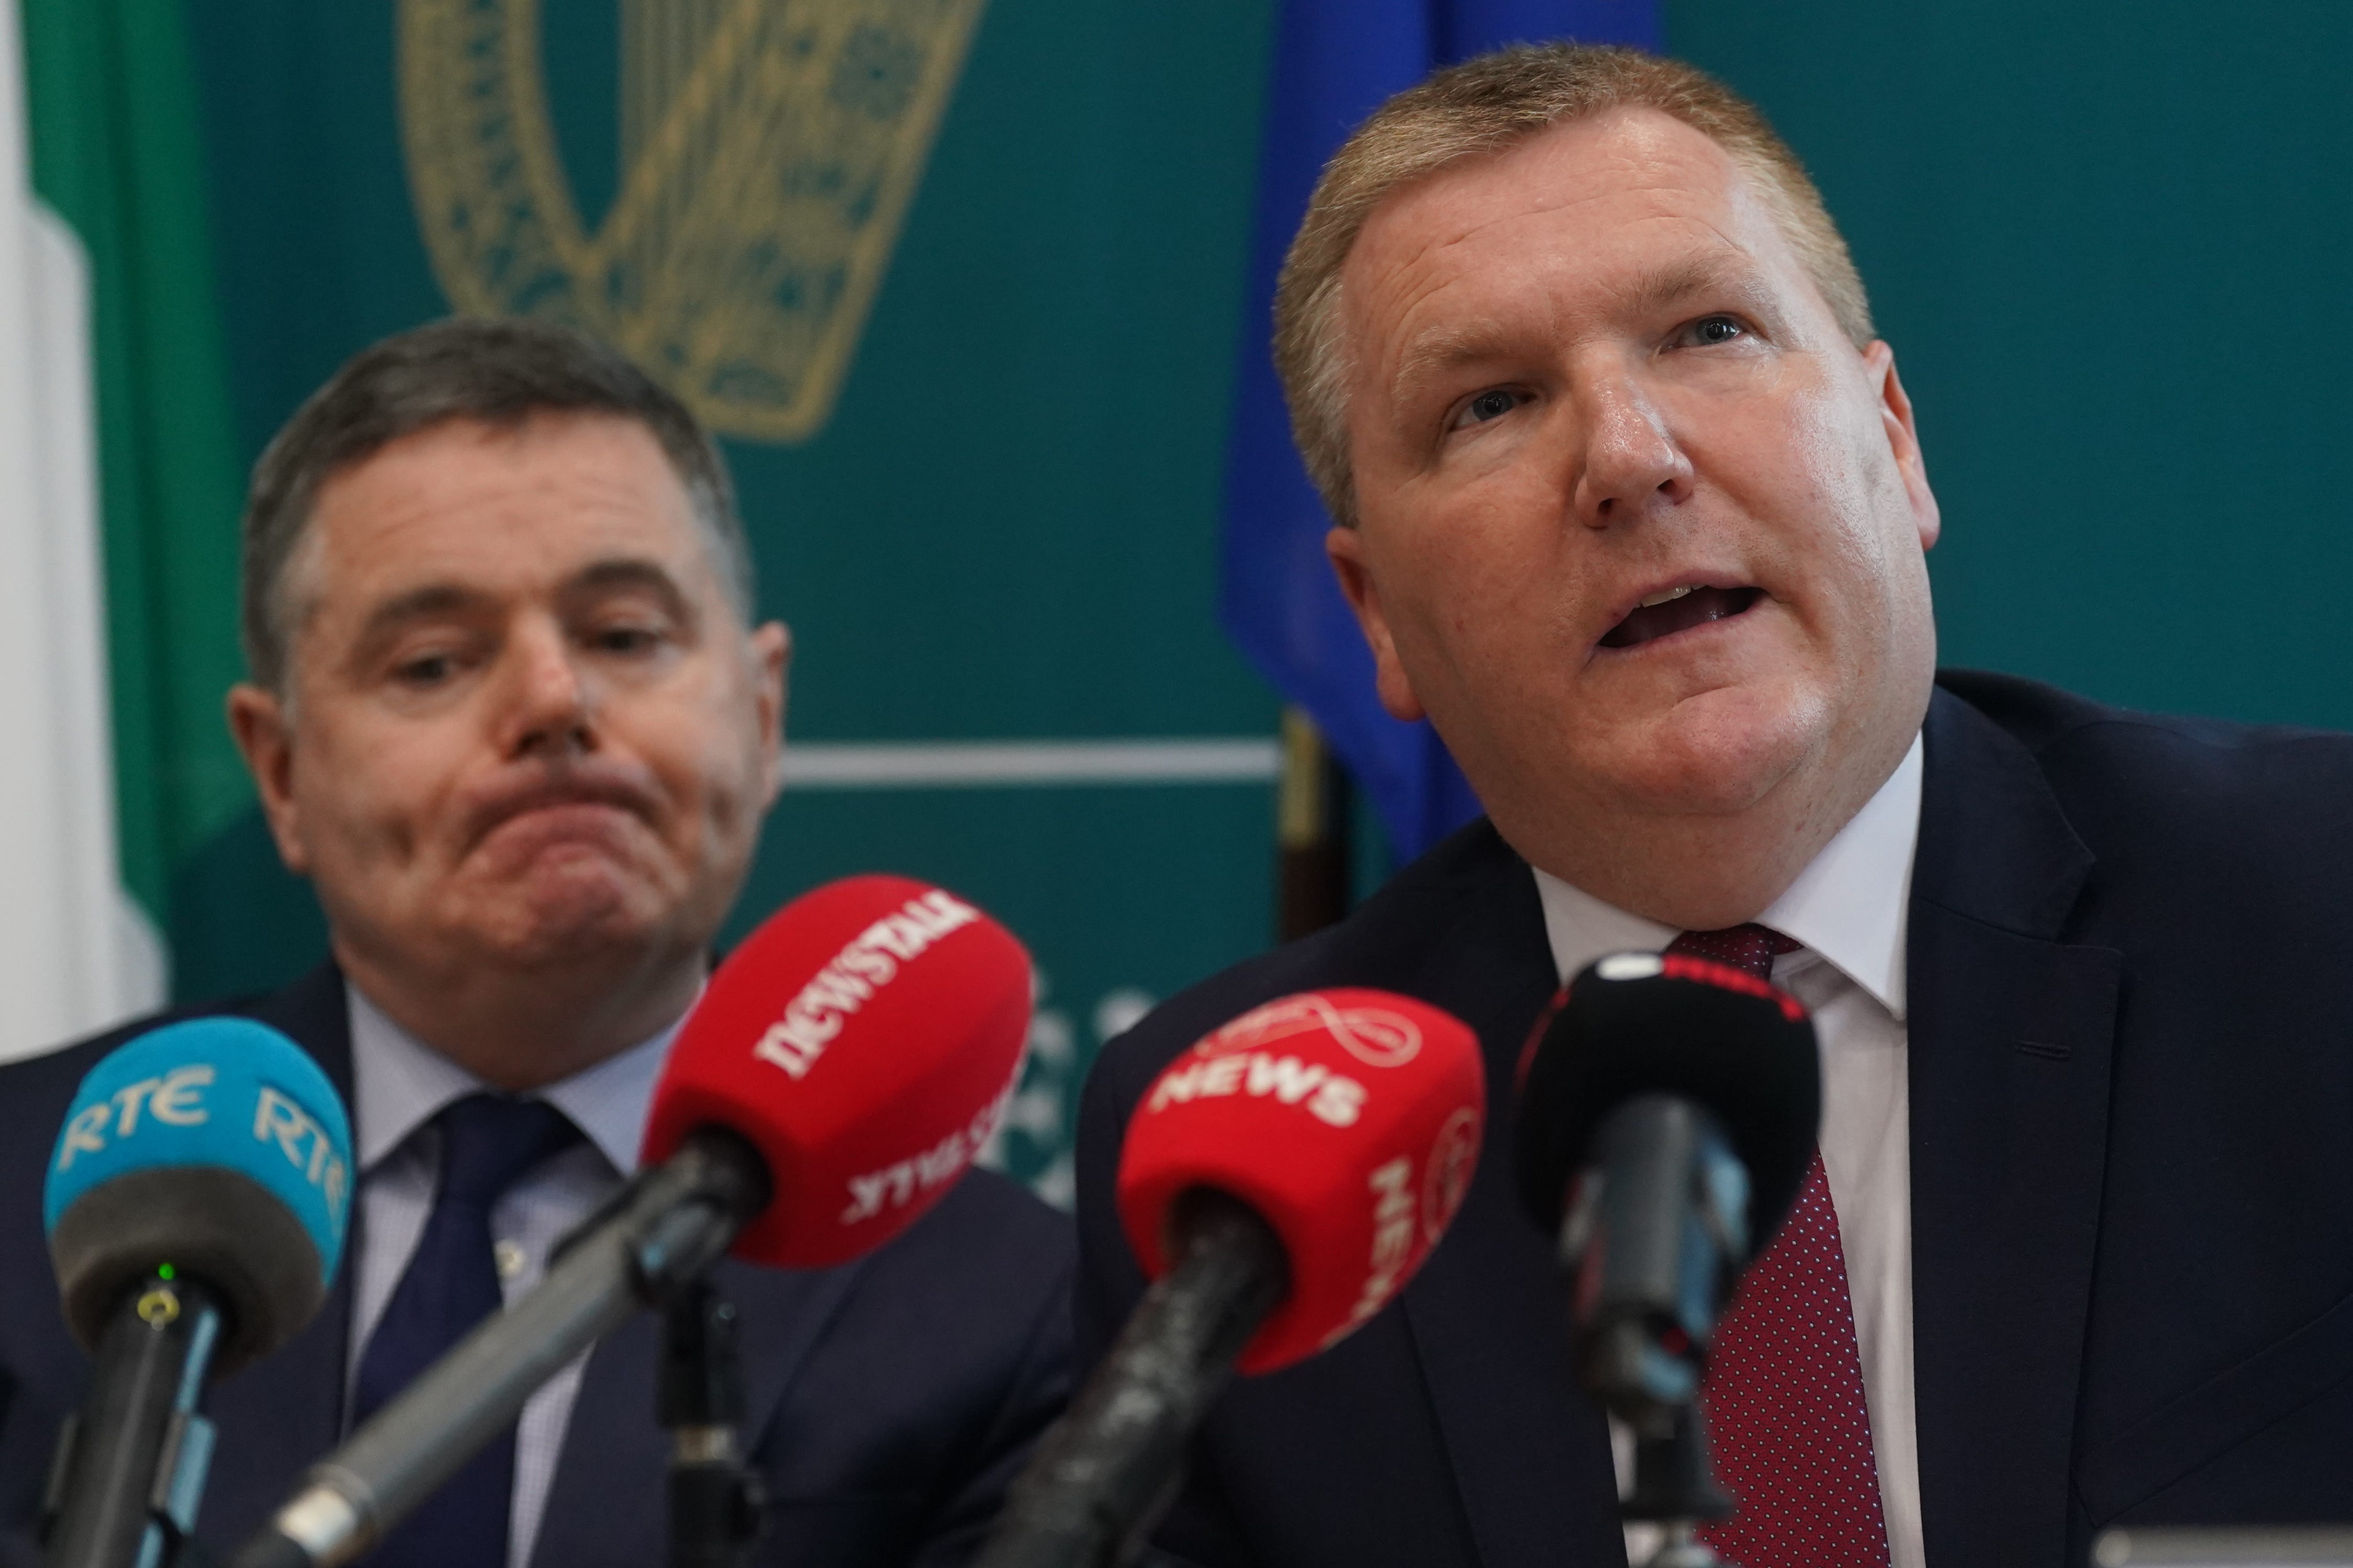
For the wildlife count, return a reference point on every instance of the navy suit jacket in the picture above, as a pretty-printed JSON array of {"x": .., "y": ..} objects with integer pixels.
[
  {"x": 2131, "y": 1051},
  {"x": 889, "y": 1401}
]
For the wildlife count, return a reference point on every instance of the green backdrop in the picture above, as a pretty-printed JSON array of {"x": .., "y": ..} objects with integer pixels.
[
  {"x": 1004, "y": 532},
  {"x": 2105, "y": 238}
]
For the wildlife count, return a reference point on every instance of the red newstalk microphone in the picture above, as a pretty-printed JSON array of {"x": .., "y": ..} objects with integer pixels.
[
  {"x": 864, "y": 1042},
  {"x": 842, "y": 1069},
  {"x": 1280, "y": 1183}
]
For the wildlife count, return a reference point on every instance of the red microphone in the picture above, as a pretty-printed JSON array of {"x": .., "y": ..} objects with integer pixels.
[
  {"x": 841, "y": 1072},
  {"x": 1348, "y": 1120},
  {"x": 1280, "y": 1181},
  {"x": 865, "y": 1041}
]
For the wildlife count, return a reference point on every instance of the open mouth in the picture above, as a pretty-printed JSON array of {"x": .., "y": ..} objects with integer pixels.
[{"x": 1677, "y": 610}]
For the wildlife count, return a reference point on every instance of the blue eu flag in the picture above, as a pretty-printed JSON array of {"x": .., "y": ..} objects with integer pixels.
[{"x": 1334, "y": 62}]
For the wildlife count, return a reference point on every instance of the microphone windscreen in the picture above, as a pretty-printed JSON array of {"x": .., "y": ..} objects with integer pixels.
[
  {"x": 1644, "y": 1023},
  {"x": 865, "y": 1039},
  {"x": 218, "y": 1148},
  {"x": 1349, "y": 1119}
]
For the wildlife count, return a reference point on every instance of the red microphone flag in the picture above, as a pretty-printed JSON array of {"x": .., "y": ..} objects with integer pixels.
[
  {"x": 1349, "y": 1119},
  {"x": 865, "y": 1039}
]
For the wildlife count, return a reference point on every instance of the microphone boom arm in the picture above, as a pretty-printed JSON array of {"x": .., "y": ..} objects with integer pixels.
[
  {"x": 1097, "y": 1484},
  {"x": 670, "y": 1222}
]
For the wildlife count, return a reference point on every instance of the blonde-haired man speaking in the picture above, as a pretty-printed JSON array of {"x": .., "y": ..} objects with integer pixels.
[{"x": 1632, "y": 506}]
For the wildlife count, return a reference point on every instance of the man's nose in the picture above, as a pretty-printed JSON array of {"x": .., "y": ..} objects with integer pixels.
[
  {"x": 551, "y": 706},
  {"x": 1631, "y": 458}
]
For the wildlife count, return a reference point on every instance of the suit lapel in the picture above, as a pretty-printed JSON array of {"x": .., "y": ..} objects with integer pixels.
[
  {"x": 285, "y": 1412},
  {"x": 606, "y": 1501},
  {"x": 606, "y": 1504},
  {"x": 1488, "y": 1318},
  {"x": 2011, "y": 1031}
]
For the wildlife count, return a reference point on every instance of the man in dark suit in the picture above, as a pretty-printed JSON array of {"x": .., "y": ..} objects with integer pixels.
[
  {"x": 511, "y": 713},
  {"x": 1632, "y": 506}
]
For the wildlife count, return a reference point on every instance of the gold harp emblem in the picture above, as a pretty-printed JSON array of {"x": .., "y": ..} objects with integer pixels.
[{"x": 769, "y": 149}]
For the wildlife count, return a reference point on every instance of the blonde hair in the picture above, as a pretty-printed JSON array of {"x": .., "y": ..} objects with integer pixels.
[{"x": 1486, "y": 105}]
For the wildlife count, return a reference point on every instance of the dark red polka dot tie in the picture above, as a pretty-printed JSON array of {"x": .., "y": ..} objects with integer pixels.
[{"x": 1783, "y": 1390}]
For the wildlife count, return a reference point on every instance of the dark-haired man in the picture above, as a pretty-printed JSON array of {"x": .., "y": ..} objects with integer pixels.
[
  {"x": 1633, "y": 508},
  {"x": 511, "y": 715}
]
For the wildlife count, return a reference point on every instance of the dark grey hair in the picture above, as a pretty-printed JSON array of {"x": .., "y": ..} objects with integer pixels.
[{"x": 498, "y": 372}]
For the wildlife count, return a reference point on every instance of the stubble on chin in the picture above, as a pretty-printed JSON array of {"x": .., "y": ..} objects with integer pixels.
[{"x": 581, "y": 912}]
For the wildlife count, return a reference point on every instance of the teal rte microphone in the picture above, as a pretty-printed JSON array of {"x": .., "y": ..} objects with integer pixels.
[{"x": 195, "y": 1206}]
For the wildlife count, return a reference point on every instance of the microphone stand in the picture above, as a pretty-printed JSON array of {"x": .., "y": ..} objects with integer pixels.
[
  {"x": 717, "y": 1503},
  {"x": 128, "y": 1467},
  {"x": 669, "y": 1223},
  {"x": 1673, "y": 1488},
  {"x": 1665, "y": 1192}
]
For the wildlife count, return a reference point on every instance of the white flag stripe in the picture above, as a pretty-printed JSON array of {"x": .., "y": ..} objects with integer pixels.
[
  {"x": 65, "y": 967},
  {"x": 984, "y": 765}
]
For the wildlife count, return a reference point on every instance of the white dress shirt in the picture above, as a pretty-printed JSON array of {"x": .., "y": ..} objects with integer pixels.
[
  {"x": 1849, "y": 909},
  {"x": 399, "y": 1085}
]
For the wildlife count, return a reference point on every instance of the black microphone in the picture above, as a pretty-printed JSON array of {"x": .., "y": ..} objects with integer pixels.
[
  {"x": 195, "y": 1204},
  {"x": 1668, "y": 1112}
]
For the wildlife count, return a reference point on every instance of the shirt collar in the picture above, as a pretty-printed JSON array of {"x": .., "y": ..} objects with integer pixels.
[
  {"x": 399, "y": 1083},
  {"x": 1850, "y": 905}
]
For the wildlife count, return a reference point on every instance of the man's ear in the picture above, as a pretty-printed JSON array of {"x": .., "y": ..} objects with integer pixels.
[
  {"x": 772, "y": 660},
  {"x": 1345, "y": 548},
  {"x": 1904, "y": 440},
  {"x": 261, "y": 727}
]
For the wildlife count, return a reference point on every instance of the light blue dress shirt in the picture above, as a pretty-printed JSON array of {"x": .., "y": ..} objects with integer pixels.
[{"x": 398, "y": 1085}]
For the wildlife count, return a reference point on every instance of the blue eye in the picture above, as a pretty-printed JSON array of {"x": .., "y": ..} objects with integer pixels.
[{"x": 1488, "y": 406}]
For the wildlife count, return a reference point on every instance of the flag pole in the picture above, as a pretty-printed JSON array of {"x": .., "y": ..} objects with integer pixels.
[{"x": 1312, "y": 832}]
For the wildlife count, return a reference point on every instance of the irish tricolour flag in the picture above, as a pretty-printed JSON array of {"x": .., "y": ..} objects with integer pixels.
[{"x": 112, "y": 754}]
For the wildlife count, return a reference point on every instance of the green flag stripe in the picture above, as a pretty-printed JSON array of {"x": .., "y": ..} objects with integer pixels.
[{"x": 117, "y": 151}]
